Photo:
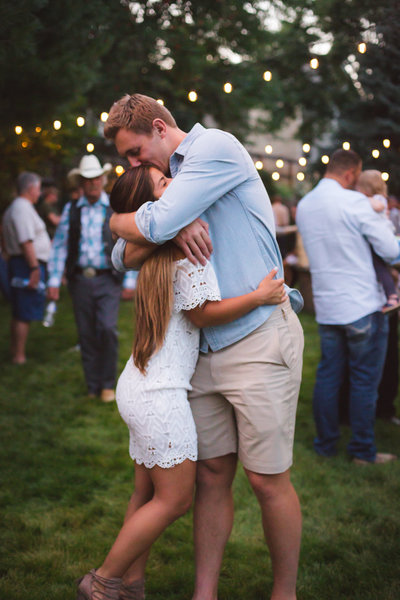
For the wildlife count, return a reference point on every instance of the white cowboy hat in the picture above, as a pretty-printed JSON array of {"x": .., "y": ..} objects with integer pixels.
[{"x": 90, "y": 167}]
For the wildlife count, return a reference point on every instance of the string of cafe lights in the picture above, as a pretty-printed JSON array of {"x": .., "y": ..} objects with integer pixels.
[{"x": 228, "y": 89}]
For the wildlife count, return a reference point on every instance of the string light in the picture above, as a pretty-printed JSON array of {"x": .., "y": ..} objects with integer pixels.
[
  {"x": 300, "y": 176},
  {"x": 375, "y": 153},
  {"x": 160, "y": 101},
  {"x": 314, "y": 63},
  {"x": 362, "y": 48},
  {"x": 385, "y": 176},
  {"x": 192, "y": 95},
  {"x": 24, "y": 144},
  {"x": 306, "y": 147},
  {"x": 90, "y": 147},
  {"x": 325, "y": 159},
  {"x": 279, "y": 163},
  {"x": 104, "y": 116},
  {"x": 259, "y": 165},
  {"x": 302, "y": 161},
  {"x": 346, "y": 146},
  {"x": 18, "y": 129},
  {"x": 268, "y": 149},
  {"x": 38, "y": 129},
  {"x": 57, "y": 124},
  {"x": 228, "y": 88},
  {"x": 80, "y": 121},
  {"x": 275, "y": 176},
  {"x": 119, "y": 169},
  {"x": 386, "y": 143},
  {"x": 267, "y": 75}
]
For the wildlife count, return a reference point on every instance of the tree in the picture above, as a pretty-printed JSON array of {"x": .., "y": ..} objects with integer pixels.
[{"x": 353, "y": 95}]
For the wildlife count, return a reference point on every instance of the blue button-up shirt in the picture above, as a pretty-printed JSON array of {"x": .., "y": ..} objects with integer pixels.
[
  {"x": 91, "y": 247},
  {"x": 215, "y": 179},
  {"x": 338, "y": 228}
]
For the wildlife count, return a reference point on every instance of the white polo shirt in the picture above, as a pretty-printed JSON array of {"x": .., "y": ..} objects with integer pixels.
[{"x": 21, "y": 223}]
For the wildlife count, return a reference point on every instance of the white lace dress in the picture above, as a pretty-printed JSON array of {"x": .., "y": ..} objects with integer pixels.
[{"x": 155, "y": 406}]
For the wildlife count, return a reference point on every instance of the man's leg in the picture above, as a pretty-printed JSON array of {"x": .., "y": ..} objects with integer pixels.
[
  {"x": 19, "y": 336},
  {"x": 367, "y": 342},
  {"x": 389, "y": 383},
  {"x": 108, "y": 295},
  {"x": 213, "y": 519},
  {"x": 81, "y": 290},
  {"x": 330, "y": 374},
  {"x": 281, "y": 519}
]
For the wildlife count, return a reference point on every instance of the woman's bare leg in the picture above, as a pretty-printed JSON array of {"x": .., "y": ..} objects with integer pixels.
[
  {"x": 143, "y": 493},
  {"x": 173, "y": 492}
]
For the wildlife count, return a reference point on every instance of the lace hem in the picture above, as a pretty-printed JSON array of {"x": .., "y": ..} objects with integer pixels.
[
  {"x": 165, "y": 464},
  {"x": 193, "y": 285},
  {"x": 185, "y": 304}
]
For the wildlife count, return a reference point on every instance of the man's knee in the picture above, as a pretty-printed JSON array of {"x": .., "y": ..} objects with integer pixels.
[
  {"x": 218, "y": 471},
  {"x": 269, "y": 487}
]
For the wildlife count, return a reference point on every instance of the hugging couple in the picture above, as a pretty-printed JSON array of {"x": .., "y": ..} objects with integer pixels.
[{"x": 215, "y": 371}]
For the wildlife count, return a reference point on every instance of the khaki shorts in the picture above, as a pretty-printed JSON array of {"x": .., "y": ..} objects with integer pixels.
[{"x": 244, "y": 397}]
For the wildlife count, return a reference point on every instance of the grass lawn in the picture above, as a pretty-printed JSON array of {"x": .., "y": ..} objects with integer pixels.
[{"x": 66, "y": 477}]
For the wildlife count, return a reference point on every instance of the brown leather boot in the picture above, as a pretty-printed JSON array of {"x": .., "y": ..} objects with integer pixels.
[
  {"x": 95, "y": 587},
  {"x": 133, "y": 591}
]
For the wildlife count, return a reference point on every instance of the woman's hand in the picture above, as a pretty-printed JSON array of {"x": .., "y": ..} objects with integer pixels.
[{"x": 270, "y": 290}]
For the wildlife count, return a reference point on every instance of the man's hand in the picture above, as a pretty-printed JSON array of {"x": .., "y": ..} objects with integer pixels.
[
  {"x": 53, "y": 293},
  {"x": 34, "y": 279},
  {"x": 127, "y": 294},
  {"x": 195, "y": 242}
]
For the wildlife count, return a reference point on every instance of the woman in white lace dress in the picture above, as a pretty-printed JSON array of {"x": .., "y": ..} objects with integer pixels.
[{"x": 174, "y": 299}]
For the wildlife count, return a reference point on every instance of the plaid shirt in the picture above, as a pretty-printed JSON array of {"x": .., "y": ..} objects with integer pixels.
[{"x": 91, "y": 247}]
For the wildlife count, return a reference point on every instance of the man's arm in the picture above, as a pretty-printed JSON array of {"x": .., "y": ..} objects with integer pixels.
[
  {"x": 194, "y": 241},
  {"x": 378, "y": 232},
  {"x": 28, "y": 250},
  {"x": 214, "y": 167}
]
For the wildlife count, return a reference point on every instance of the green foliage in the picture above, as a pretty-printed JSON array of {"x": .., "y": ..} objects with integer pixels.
[
  {"x": 66, "y": 478},
  {"x": 60, "y": 60},
  {"x": 352, "y": 96}
]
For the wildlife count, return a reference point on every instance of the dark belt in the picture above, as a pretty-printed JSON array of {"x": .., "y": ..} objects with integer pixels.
[{"x": 90, "y": 272}]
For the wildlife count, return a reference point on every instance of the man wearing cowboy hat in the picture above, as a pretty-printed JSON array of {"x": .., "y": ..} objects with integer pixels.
[{"x": 82, "y": 246}]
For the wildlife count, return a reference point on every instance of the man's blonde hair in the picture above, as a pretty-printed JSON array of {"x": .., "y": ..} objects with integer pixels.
[
  {"x": 370, "y": 183},
  {"x": 137, "y": 113}
]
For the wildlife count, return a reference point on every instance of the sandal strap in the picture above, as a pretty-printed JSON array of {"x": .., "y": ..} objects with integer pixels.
[
  {"x": 133, "y": 591},
  {"x": 109, "y": 587}
]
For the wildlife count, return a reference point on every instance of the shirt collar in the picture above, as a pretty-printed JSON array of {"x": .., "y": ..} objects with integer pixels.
[
  {"x": 187, "y": 141},
  {"x": 83, "y": 201}
]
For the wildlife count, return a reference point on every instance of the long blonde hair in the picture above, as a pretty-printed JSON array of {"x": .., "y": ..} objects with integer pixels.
[{"x": 154, "y": 290}]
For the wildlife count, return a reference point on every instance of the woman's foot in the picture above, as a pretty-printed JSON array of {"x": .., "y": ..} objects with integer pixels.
[
  {"x": 95, "y": 587},
  {"x": 392, "y": 304}
]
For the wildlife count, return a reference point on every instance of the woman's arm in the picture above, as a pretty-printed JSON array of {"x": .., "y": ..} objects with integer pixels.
[{"x": 270, "y": 291}]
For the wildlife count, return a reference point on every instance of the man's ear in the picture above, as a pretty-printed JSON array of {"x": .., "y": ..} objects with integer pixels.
[{"x": 160, "y": 127}]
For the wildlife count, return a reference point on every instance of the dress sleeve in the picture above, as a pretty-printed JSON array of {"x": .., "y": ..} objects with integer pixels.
[{"x": 193, "y": 285}]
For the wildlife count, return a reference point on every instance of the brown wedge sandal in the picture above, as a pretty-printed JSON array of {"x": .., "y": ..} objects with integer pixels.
[
  {"x": 94, "y": 587},
  {"x": 133, "y": 591}
]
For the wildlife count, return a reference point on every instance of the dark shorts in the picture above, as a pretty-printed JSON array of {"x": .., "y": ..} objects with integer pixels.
[{"x": 27, "y": 305}]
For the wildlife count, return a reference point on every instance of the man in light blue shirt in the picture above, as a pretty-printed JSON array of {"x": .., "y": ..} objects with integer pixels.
[
  {"x": 338, "y": 228},
  {"x": 251, "y": 415}
]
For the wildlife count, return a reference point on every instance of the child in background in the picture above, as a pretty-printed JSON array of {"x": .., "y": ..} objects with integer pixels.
[{"x": 372, "y": 185}]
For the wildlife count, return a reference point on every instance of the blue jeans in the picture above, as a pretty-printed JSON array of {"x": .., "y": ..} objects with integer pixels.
[{"x": 359, "y": 347}]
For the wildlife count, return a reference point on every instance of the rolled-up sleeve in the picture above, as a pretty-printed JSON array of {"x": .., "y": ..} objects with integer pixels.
[
  {"x": 117, "y": 256},
  {"x": 213, "y": 166}
]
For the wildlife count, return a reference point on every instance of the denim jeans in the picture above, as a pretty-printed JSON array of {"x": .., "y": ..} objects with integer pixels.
[{"x": 361, "y": 348}]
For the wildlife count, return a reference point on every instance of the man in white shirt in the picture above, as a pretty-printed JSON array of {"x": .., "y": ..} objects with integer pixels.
[
  {"x": 27, "y": 245},
  {"x": 338, "y": 227}
]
